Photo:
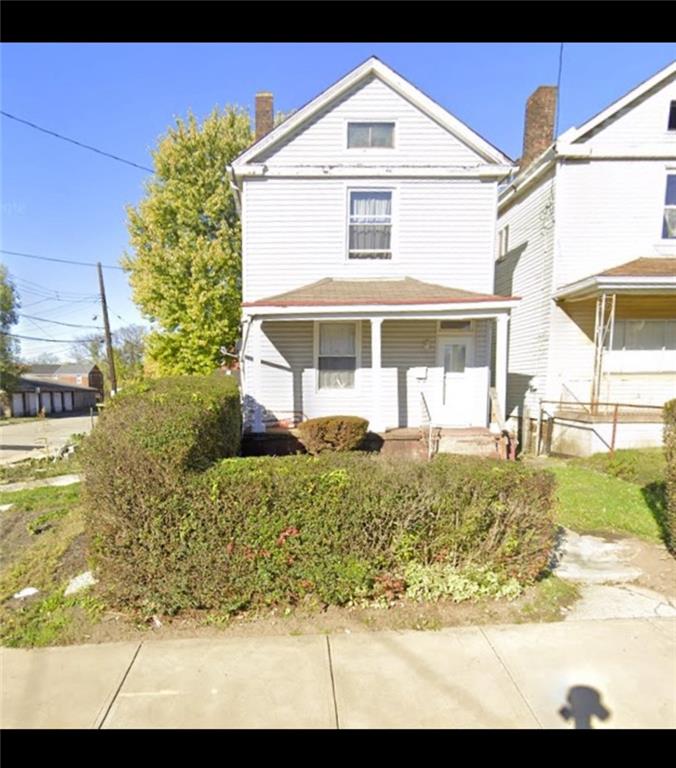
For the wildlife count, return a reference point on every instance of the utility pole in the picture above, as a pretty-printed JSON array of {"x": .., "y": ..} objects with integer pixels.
[{"x": 106, "y": 326}]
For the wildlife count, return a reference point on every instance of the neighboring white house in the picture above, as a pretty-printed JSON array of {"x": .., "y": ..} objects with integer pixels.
[
  {"x": 587, "y": 238},
  {"x": 369, "y": 222}
]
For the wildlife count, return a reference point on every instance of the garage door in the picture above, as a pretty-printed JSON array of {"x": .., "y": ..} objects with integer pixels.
[
  {"x": 17, "y": 405},
  {"x": 32, "y": 404},
  {"x": 57, "y": 401},
  {"x": 46, "y": 402},
  {"x": 67, "y": 401}
]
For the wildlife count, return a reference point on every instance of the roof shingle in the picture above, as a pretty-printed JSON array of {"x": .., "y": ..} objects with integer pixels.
[{"x": 331, "y": 292}]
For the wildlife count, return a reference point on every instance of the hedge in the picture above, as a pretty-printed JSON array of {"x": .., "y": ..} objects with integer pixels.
[
  {"x": 670, "y": 475},
  {"x": 328, "y": 529},
  {"x": 333, "y": 433},
  {"x": 147, "y": 442}
]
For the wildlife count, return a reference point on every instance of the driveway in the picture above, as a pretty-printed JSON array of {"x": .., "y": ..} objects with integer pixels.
[
  {"x": 585, "y": 674},
  {"x": 38, "y": 438}
]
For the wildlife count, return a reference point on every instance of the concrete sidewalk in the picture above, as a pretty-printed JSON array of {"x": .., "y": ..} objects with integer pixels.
[{"x": 614, "y": 673}]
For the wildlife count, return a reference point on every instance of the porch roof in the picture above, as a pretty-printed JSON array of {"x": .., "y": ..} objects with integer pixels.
[
  {"x": 644, "y": 275},
  {"x": 357, "y": 293}
]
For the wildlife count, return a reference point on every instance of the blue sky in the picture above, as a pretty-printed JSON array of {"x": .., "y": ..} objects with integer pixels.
[{"x": 62, "y": 201}]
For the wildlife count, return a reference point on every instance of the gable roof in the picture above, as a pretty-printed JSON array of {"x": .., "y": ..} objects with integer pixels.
[
  {"x": 374, "y": 67},
  {"x": 406, "y": 290},
  {"x": 576, "y": 134}
]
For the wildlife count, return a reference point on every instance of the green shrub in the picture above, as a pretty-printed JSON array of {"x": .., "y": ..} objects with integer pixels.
[
  {"x": 327, "y": 529},
  {"x": 333, "y": 433},
  {"x": 142, "y": 452},
  {"x": 670, "y": 474}
]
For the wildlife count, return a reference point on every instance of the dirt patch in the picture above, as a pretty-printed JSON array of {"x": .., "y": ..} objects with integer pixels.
[
  {"x": 402, "y": 615},
  {"x": 658, "y": 566},
  {"x": 74, "y": 560},
  {"x": 15, "y": 537}
]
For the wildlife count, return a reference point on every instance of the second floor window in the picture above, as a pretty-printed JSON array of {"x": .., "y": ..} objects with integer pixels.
[
  {"x": 669, "y": 225},
  {"x": 370, "y": 225}
]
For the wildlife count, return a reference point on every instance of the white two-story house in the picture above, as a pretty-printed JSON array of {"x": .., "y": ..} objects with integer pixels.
[
  {"x": 587, "y": 238},
  {"x": 369, "y": 222}
]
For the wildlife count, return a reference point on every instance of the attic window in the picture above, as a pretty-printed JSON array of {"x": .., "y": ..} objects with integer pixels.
[
  {"x": 672, "y": 116},
  {"x": 370, "y": 135}
]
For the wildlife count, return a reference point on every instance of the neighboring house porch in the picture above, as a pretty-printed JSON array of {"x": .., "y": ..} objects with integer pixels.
[
  {"x": 625, "y": 322},
  {"x": 399, "y": 352},
  {"x": 616, "y": 358}
]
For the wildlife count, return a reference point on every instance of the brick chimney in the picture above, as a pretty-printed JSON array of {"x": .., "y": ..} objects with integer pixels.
[
  {"x": 264, "y": 115},
  {"x": 538, "y": 132}
]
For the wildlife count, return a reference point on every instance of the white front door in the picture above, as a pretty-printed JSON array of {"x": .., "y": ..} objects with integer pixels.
[{"x": 455, "y": 356}]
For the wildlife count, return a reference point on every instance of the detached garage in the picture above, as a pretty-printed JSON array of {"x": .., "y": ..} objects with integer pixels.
[{"x": 32, "y": 395}]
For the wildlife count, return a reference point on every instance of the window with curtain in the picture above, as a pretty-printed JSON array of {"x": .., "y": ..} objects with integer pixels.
[
  {"x": 669, "y": 224},
  {"x": 370, "y": 225},
  {"x": 370, "y": 135},
  {"x": 337, "y": 355},
  {"x": 644, "y": 335}
]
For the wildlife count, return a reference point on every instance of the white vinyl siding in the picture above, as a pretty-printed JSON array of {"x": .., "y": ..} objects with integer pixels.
[
  {"x": 288, "y": 388},
  {"x": 418, "y": 141},
  {"x": 526, "y": 271},
  {"x": 295, "y": 233},
  {"x": 644, "y": 121}
]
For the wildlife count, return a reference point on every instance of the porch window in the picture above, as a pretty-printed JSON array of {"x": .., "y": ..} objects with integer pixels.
[
  {"x": 337, "y": 355},
  {"x": 652, "y": 335},
  {"x": 669, "y": 224},
  {"x": 370, "y": 224}
]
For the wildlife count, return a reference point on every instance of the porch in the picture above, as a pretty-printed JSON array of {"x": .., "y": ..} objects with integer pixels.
[
  {"x": 400, "y": 353},
  {"x": 627, "y": 319}
]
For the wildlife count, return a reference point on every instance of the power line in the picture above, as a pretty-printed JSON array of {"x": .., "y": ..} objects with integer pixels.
[
  {"x": 35, "y": 338},
  {"x": 74, "y": 141},
  {"x": 61, "y": 261},
  {"x": 57, "y": 322}
]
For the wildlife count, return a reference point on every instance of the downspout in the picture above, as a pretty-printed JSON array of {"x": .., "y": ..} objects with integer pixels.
[{"x": 238, "y": 192}]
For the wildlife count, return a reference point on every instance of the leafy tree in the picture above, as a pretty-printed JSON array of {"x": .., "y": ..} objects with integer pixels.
[
  {"x": 9, "y": 347},
  {"x": 185, "y": 269},
  {"x": 128, "y": 353}
]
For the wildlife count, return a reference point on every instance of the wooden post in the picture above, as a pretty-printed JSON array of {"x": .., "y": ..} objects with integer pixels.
[
  {"x": 614, "y": 433},
  {"x": 538, "y": 431},
  {"x": 526, "y": 429}
]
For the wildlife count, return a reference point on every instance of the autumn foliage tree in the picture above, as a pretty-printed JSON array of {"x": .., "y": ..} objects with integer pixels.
[{"x": 185, "y": 269}]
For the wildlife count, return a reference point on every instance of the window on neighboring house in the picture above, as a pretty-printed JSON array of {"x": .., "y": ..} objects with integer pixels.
[
  {"x": 672, "y": 116},
  {"x": 503, "y": 241},
  {"x": 337, "y": 355},
  {"x": 370, "y": 225},
  {"x": 370, "y": 135},
  {"x": 652, "y": 335},
  {"x": 669, "y": 223}
]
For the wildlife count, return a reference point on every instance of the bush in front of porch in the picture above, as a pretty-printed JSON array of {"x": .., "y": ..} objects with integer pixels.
[{"x": 333, "y": 433}]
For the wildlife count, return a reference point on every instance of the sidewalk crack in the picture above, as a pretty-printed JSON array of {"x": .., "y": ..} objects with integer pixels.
[
  {"x": 509, "y": 675},
  {"x": 333, "y": 683},
  {"x": 119, "y": 687}
]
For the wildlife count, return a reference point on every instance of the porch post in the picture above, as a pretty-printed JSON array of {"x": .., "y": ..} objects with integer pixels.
[
  {"x": 258, "y": 425},
  {"x": 501, "y": 322},
  {"x": 377, "y": 424}
]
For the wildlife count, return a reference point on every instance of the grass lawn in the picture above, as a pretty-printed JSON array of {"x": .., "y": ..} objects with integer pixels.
[
  {"x": 620, "y": 495},
  {"x": 43, "y": 546},
  {"x": 35, "y": 469}
]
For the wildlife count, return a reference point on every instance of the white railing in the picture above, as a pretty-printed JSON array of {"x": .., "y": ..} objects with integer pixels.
[{"x": 427, "y": 422}]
